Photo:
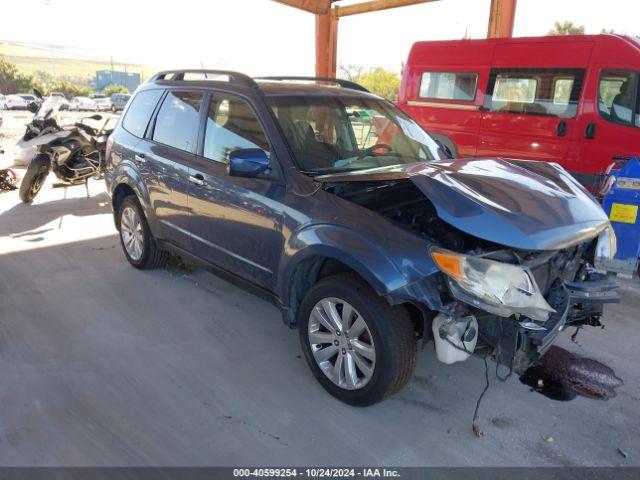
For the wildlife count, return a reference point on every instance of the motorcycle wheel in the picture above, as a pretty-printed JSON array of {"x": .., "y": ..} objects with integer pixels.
[{"x": 35, "y": 177}]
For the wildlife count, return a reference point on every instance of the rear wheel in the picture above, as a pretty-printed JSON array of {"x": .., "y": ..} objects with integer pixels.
[
  {"x": 359, "y": 348},
  {"x": 35, "y": 177},
  {"x": 136, "y": 238}
]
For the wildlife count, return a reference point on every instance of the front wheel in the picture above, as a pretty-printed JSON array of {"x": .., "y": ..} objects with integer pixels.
[
  {"x": 35, "y": 177},
  {"x": 361, "y": 349}
]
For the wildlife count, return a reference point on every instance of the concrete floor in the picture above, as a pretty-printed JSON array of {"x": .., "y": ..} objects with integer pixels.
[{"x": 102, "y": 364}]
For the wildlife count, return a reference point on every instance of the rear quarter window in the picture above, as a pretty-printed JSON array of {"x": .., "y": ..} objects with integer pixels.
[
  {"x": 139, "y": 112},
  {"x": 459, "y": 86}
]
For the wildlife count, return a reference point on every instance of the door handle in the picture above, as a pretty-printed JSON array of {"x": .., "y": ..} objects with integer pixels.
[
  {"x": 140, "y": 158},
  {"x": 197, "y": 179},
  {"x": 561, "y": 128},
  {"x": 590, "y": 130}
]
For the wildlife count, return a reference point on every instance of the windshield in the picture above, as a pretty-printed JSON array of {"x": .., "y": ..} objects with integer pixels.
[{"x": 339, "y": 134}]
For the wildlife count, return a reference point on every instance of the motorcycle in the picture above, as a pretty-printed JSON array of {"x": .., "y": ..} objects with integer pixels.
[{"x": 75, "y": 152}]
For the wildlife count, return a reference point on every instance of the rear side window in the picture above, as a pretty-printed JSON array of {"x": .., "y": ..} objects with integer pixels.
[
  {"x": 618, "y": 99},
  {"x": 231, "y": 125},
  {"x": 449, "y": 85},
  {"x": 546, "y": 91},
  {"x": 137, "y": 117},
  {"x": 178, "y": 120}
]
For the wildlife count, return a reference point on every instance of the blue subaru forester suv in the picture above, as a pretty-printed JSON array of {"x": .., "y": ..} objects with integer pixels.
[{"x": 339, "y": 207}]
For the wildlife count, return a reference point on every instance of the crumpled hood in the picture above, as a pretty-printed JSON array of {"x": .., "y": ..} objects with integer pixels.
[{"x": 520, "y": 204}]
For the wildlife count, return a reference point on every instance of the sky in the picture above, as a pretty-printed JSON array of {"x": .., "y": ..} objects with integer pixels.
[{"x": 264, "y": 37}]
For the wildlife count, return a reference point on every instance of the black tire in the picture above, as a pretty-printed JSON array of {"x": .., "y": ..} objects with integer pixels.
[
  {"x": 152, "y": 257},
  {"x": 392, "y": 333},
  {"x": 35, "y": 177}
]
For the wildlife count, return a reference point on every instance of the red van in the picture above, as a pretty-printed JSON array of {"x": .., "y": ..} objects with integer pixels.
[{"x": 574, "y": 100}]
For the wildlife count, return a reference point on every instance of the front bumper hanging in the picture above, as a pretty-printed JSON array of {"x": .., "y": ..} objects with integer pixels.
[{"x": 519, "y": 344}]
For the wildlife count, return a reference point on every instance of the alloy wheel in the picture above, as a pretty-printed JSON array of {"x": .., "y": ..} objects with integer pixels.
[
  {"x": 132, "y": 233},
  {"x": 341, "y": 343}
]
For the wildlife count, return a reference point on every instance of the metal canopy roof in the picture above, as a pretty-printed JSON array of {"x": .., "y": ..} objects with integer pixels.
[{"x": 328, "y": 12}]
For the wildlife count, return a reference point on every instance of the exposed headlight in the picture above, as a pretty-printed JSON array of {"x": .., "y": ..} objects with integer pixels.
[
  {"x": 605, "y": 248},
  {"x": 499, "y": 288}
]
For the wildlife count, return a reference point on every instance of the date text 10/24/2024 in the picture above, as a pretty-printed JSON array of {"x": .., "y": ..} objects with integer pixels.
[{"x": 316, "y": 472}]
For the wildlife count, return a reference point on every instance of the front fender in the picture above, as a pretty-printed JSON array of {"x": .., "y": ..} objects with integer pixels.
[
  {"x": 126, "y": 174},
  {"x": 340, "y": 243}
]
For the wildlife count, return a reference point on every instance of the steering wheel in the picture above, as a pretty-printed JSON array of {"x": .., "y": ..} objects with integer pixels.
[{"x": 368, "y": 151}]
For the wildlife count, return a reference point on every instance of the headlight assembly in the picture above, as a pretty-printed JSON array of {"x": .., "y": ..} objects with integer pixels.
[
  {"x": 605, "y": 248},
  {"x": 499, "y": 288}
]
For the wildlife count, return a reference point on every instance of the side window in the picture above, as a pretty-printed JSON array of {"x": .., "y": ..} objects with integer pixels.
[
  {"x": 449, "y": 85},
  {"x": 137, "y": 117},
  {"x": 178, "y": 120},
  {"x": 231, "y": 125},
  {"x": 546, "y": 91},
  {"x": 618, "y": 97}
]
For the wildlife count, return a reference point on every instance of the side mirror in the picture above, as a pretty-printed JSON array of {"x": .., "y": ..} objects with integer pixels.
[
  {"x": 95, "y": 117},
  {"x": 38, "y": 93},
  {"x": 33, "y": 107},
  {"x": 247, "y": 162}
]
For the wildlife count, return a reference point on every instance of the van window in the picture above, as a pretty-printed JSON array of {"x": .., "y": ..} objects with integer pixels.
[
  {"x": 531, "y": 91},
  {"x": 449, "y": 85},
  {"x": 231, "y": 125},
  {"x": 618, "y": 97},
  {"x": 178, "y": 119},
  {"x": 137, "y": 117}
]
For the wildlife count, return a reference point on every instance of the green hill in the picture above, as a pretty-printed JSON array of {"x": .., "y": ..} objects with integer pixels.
[{"x": 40, "y": 62}]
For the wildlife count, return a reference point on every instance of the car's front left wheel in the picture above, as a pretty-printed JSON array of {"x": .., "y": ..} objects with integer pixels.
[
  {"x": 361, "y": 349},
  {"x": 139, "y": 246}
]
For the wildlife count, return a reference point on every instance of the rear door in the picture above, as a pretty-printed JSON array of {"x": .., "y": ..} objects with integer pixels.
[
  {"x": 235, "y": 222},
  {"x": 166, "y": 153},
  {"x": 530, "y": 113}
]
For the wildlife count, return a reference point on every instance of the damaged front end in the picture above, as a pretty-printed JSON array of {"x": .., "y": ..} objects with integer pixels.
[
  {"x": 522, "y": 320},
  {"x": 516, "y": 249}
]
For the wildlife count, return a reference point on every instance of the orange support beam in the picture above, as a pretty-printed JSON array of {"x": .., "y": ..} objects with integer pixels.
[
  {"x": 501, "y": 18},
  {"x": 326, "y": 44},
  {"x": 327, "y": 25}
]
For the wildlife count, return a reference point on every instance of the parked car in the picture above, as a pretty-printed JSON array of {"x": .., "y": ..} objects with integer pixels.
[
  {"x": 64, "y": 103},
  {"x": 103, "y": 104},
  {"x": 118, "y": 101},
  {"x": 82, "y": 104},
  {"x": 28, "y": 98},
  {"x": 14, "y": 102},
  {"x": 339, "y": 207},
  {"x": 567, "y": 99}
]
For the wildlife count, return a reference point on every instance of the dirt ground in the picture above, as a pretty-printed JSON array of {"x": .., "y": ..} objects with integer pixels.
[{"x": 103, "y": 364}]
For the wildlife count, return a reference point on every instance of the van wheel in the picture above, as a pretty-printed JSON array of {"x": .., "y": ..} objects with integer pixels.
[
  {"x": 358, "y": 347},
  {"x": 447, "y": 142},
  {"x": 136, "y": 239}
]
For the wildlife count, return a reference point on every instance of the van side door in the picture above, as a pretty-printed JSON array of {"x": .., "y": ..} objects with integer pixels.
[
  {"x": 609, "y": 127},
  {"x": 530, "y": 113}
]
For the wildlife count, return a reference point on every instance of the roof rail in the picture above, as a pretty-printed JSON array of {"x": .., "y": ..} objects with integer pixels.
[
  {"x": 343, "y": 83},
  {"x": 178, "y": 75}
]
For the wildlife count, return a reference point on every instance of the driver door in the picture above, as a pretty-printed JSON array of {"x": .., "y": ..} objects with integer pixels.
[{"x": 235, "y": 222}]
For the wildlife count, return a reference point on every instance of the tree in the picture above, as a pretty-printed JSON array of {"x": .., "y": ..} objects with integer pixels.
[
  {"x": 378, "y": 80},
  {"x": 381, "y": 82},
  {"x": 113, "y": 88},
  {"x": 69, "y": 89},
  {"x": 607, "y": 30},
  {"x": 12, "y": 81},
  {"x": 566, "y": 28}
]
